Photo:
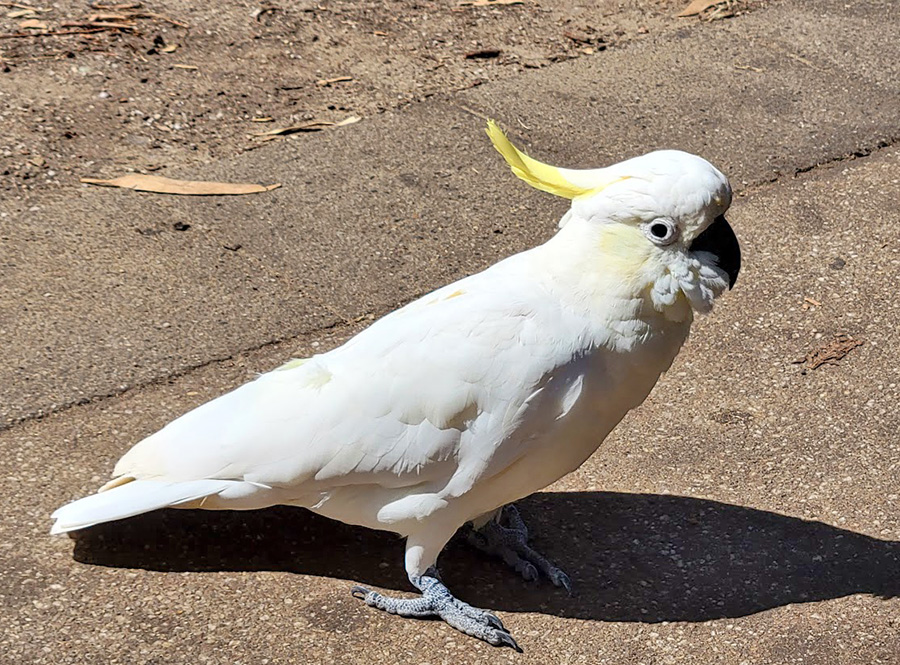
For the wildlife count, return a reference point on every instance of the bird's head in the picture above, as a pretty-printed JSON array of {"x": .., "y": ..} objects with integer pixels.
[{"x": 658, "y": 220}]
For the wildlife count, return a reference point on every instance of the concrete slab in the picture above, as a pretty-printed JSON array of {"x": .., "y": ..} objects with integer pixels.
[
  {"x": 768, "y": 93},
  {"x": 100, "y": 292},
  {"x": 748, "y": 512}
]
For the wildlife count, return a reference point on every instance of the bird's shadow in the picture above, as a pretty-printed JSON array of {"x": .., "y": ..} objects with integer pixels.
[{"x": 631, "y": 557}]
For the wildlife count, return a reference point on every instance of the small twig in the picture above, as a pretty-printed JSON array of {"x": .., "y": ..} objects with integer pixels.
[
  {"x": 106, "y": 16},
  {"x": 477, "y": 114},
  {"x": 802, "y": 60},
  {"x": 18, "y": 6},
  {"x": 337, "y": 79},
  {"x": 57, "y": 33},
  {"x": 160, "y": 17},
  {"x": 115, "y": 6},
  {"x": 102, "y": 25}
]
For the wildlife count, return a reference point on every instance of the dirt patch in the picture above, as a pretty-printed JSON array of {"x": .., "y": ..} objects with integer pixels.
[{"x": 95, "y": 90}]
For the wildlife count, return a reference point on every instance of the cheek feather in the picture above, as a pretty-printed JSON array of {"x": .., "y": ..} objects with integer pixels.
[
  {"x": 624, "y": 253},
  {"x": 676, "y": 284}
]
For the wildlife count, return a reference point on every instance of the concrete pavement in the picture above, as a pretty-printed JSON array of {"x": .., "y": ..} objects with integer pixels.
[{"x": 746, "y": 513}]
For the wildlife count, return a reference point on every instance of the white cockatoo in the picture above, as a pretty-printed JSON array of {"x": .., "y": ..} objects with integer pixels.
[{"x": 469, "y": 398}]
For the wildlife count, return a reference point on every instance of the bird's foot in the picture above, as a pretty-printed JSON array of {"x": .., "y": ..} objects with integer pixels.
[
  {"x": 506, "y": 537},
  {"x": 437, "y": 601}
]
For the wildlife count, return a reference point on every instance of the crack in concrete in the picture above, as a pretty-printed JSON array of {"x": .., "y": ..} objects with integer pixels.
[
  {"x": 865, "y": 151},
  {"x": 860, "y": 153},
  {"x": 152, "y": 381},
  {"x": 189, "y": 369}
]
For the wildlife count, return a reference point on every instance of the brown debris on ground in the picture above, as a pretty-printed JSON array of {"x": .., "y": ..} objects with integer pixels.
[
  {"x": 159, "y": 185},
  {"x": 830, "y": 352},
  {"x": 711, "y": 10}
]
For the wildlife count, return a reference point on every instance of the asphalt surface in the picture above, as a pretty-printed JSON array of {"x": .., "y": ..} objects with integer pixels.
[{"x": 746, "y": 513}]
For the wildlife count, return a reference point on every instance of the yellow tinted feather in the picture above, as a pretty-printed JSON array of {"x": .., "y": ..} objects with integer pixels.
[
  {"x": 537, "y": 174},
  {"x": 549, "y": 178}
]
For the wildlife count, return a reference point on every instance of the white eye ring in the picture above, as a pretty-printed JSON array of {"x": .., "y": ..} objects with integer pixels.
[{"x": 660, "y": 231}]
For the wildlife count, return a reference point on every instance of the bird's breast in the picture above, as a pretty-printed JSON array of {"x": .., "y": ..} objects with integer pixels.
[{"x": 578, "y": 405}]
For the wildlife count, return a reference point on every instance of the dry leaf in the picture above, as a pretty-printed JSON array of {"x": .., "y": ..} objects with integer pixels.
[
  {"x": 488, "y": 3},
  {"x": 21, "y": 13},
  {"x": 830, "y": 352},
  {"x": 311, "y": 126},
  {"x": 186, "y": 66},
  {"x": 33, "y": 24},
  {"x": 337, "y": 79},
  {"x": 154, "y": 183},
  {"x": 379, "y": 33},
  {"x": 580, "y": 37},
  {"x": 698, "y": 6},
  {"x": 168, "y": 49}
]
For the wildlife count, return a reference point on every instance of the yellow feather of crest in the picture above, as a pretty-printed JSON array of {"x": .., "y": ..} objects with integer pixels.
[{"x": 537, "y": 174}]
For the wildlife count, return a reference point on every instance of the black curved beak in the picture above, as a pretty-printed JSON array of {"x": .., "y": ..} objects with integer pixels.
[{"x": 719, "y": 240}]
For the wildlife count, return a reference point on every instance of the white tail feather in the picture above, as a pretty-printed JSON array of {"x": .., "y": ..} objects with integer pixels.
[{"x": 134, "y": 498}]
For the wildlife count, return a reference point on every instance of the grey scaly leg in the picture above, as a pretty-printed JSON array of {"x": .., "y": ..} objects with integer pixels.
[
  {"x": 509, "y": 541},
  {"x": 437, "y": 601}
]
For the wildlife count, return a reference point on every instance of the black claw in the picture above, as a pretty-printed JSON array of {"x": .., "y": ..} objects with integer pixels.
[
  {"x": 529, "y": 572},
  {"x": 506, "y": 537},
  {"x": 494, "y": 621},
  {"x": 359, "y": 592},
  {"x": 504, "y": 639}
]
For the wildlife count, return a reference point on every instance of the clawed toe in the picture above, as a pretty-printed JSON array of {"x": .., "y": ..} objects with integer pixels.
[
  {"x": 359, "y": 592},
  {"x": 437, "y": 601},
  {"x": 478, "y": 623},
  {"x": 487, "y": 618},
  {"x": 503, "y": 639},
  {"x": 528, "y": 572},
  {"x": 560, "y": 579},
  {"x": 506, "y": 536}
]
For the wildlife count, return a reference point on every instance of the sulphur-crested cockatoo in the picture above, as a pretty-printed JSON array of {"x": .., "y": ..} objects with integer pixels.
[{"x": 469, "y": 398}]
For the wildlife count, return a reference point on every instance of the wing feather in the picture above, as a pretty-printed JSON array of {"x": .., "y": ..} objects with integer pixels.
[{"x": 410, "y": 401}]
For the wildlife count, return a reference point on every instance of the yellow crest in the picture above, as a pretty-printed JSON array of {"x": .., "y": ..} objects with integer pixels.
[{"x": 539, "y": 175}]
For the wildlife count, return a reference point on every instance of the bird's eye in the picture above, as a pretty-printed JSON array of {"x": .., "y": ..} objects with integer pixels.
[{"x": 661, "y": 231}]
